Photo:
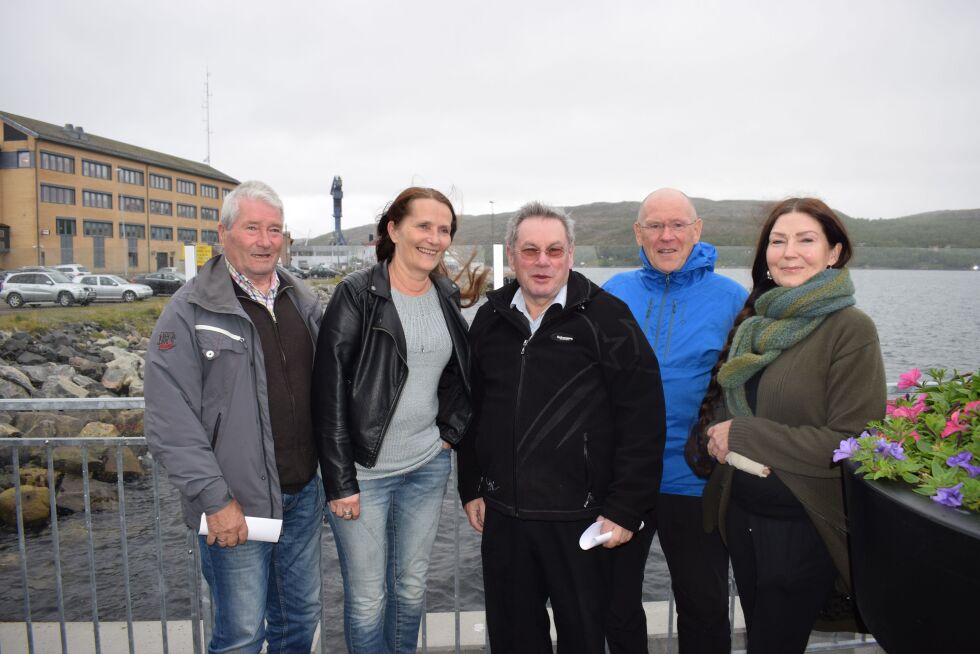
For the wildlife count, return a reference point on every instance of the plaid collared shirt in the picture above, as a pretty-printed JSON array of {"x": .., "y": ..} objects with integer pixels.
[{"x": 268, "y": 300}]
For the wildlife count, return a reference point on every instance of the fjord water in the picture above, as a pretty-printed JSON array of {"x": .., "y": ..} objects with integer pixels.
[{"x": 924, "y": 318}]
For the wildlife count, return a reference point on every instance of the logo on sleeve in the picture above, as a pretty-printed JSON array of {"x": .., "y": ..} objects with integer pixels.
[
  {"x": 562, "y": 338},
  {"x": 166, "y": 340}
]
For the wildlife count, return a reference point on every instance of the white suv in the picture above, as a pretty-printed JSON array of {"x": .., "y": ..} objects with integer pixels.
[
  {"x": 22, "y": 288},
  {"x": 71, "y": 269}
]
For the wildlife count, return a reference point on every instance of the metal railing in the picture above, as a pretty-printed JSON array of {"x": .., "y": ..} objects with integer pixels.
[{"x": 200, "y": 612}]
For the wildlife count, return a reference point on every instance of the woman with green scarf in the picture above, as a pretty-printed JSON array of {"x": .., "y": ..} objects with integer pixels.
[{"x": 801, "y": 372}]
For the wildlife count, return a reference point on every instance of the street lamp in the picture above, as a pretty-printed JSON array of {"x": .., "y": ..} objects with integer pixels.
[{"x": 491, "y": 222}]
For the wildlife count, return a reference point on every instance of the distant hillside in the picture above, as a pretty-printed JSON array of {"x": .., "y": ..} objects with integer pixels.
[{"x": 726, "y": 222}]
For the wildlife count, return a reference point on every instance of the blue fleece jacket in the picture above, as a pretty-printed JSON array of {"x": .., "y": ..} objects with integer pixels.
[{"x": 686, "y": 315}]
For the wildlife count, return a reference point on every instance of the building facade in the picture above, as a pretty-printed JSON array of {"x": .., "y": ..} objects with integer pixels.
[{"x": 67, "y": 196}]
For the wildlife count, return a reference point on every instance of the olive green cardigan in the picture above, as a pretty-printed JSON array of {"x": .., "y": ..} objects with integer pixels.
[{"x": 815, "y": 394}]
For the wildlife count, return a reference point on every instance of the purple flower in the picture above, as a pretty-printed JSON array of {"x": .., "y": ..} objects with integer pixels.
[
  {"x": 889, "y": 449},
  {"x": 949, "y": 496},
  {"x": 847, "y": 449},
  {"x": 963, "y": 460}
]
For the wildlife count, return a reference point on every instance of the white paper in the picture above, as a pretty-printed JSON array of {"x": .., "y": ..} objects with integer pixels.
[
  {"x": 592, "y": 536},
  {"x": 266, "y": 530},
  {"x": 746, "y": 464}
]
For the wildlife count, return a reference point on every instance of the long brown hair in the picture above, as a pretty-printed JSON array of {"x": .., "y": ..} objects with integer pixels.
[
  {"x": 397, "y": 210},
  {"x": 696, "y": 448}
]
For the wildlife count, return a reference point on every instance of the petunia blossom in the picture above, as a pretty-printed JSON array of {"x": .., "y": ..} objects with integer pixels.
[
  {"x": 953, "y": 425},
  {"x": 846, "y": 450},
  {"x": 972, "y": 406},
  {"x": 910, "y": 378},
  {"x": 888, "y": 449},
  {"x": 949, "y": 496},
  {"x": 963, "y": 461},
  {"x": 909, "y": 412}
]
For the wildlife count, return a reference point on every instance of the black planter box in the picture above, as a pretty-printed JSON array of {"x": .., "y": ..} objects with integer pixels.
[{"x": 915, "y": 566}]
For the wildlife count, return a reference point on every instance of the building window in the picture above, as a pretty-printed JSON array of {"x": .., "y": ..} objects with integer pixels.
[
  {"x": 130, "y": 176},
  {"x": 162, "y": 208},
  {"x": 57, "y": 162},
  {"x": 96, "y": 199},
  {"x": 209, "y": 236},
  {"x": 186, "y": 210},
  {"x": 96, "y": 169},
  {"x": 161, "y": 182},
  {"x": 160, "y": 233},
  {"x": 65, "y": 226},
  {"x": 57, "y": 194},
  {"x": 129, "y": 230},
  {"x": 186, "y": 186},
  {"x": 209, "y": 213},
  {"x": 187, "y": 235},
  {"x": 97, "y": 228},
  {"x": 208, "y": 191},
  {"x": 24, "y": 159},
  {"x": 225, "y": 192},
  {"x": 129, "y": 203}
]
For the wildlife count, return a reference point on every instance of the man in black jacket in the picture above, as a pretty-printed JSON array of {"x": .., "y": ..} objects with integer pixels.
[{"x": 568, "y": 430}]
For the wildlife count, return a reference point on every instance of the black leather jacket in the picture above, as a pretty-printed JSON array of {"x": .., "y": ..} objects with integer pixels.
[{"x": 361, "y": 368}]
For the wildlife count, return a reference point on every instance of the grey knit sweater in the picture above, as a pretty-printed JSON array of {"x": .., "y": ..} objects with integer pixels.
[{"x": 412, "y": 439}]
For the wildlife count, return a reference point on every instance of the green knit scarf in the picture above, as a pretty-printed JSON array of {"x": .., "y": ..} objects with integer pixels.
[{"x": 784, "y": 317}]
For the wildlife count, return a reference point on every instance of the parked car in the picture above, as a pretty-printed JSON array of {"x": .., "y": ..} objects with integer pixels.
[
  {"x": 297, "y": 272},
  {"x": 321, "y": 270},
  {"x": 22, "y": 288},
  {"x": 162, "y": 283},
  {"x": 72, "y": 269},
  {"x": 113, "y": 287}
]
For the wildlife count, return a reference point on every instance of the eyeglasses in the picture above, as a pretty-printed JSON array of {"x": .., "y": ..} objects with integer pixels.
[
  {"x": 531, "y": 254},
  {"x": 674, "y": 226}
]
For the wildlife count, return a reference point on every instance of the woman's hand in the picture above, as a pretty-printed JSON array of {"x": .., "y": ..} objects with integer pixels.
[
  {"x": 347, "y": 508},
  {"x": 718, "y": 440}
]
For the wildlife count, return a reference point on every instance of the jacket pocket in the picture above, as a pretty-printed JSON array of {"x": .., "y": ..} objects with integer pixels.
[
  {"x": 214, "y": 341},
  {"x": 589, "y": 499},
  {"x": 214, "y": 432}
]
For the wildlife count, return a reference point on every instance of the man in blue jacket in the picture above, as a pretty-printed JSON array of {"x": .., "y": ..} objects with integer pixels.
[{"x": 685, "y": 310}]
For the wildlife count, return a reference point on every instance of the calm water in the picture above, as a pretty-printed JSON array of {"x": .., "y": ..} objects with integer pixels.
[{"x": 925, "y": 319}]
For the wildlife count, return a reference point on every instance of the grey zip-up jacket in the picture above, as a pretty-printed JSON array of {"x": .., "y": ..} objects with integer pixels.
[{"x": 207, "y": 411}]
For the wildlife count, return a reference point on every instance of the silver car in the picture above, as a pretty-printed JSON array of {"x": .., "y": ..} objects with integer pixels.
[
  {"x": 22, "y": 288},
  {"x": 113, "y": 287}
]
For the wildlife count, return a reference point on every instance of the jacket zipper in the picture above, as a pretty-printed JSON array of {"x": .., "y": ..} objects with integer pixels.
[
  {"x": 660, "y": 314},
  {"x": 398, "y": 394},
  {"x": 219, "y": 330},
  {"x": 214, "y": 432},
  {"x": 517, "y": 413}
]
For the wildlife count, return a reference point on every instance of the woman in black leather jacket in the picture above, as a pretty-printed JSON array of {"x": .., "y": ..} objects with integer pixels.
[{"x": 391, "y": 396}]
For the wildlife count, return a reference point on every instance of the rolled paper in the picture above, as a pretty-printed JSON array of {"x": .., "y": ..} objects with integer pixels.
[
  {"x": 746, "y": 464},
  {"x": 266, "y": 530}
]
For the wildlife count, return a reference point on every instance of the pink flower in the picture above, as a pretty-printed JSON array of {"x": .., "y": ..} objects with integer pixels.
[
  {"x": 972, "y": 406},
  {"x": 953, "y": 426},
  {"x": 910, "y": 378},
  {"x": 914, "y": 434},
  {"x": 889, "y": 408}
]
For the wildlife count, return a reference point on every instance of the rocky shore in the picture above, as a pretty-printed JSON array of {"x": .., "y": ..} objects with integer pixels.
[{"x": 74, "y": 361}]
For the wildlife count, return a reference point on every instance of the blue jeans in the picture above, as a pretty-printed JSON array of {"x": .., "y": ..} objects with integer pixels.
[
  {"x": 384, "y": 557},
  {"x": 269, "y": 591}
]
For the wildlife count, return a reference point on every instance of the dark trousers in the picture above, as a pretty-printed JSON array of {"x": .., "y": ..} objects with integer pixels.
[
  {"x": 784, "y": 576},
  {"x": 526, "y": 563},
  {"x": 698, "y": 564}
]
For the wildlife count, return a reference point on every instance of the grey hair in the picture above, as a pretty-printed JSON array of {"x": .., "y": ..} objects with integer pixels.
[
  {"x": 539, "y": 210},
  {"x": 250, "y": 190}
]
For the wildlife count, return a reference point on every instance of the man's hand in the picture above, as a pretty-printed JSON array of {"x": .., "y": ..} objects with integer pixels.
[
  {"x": 620, "y": 535},
  {"x": 227, "y": 527},
  {"x": 475, "y": 510},
  {"x": 347, "y": 508},
  {"x": 718, "y": 440}
]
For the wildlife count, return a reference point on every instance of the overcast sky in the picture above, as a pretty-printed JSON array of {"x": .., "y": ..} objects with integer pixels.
[{"x": 872, "y": 106}]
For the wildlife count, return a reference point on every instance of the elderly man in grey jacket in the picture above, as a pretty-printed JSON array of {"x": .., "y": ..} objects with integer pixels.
[{"x": 227, "y": 384}]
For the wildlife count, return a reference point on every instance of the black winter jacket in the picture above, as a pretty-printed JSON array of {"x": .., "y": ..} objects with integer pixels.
[
  {"x": 361, "y": 368},
  {"x": 568, "y": 423}
]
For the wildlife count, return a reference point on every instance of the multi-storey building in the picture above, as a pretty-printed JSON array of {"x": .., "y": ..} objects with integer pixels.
[{"x": 68, "y": 196}]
